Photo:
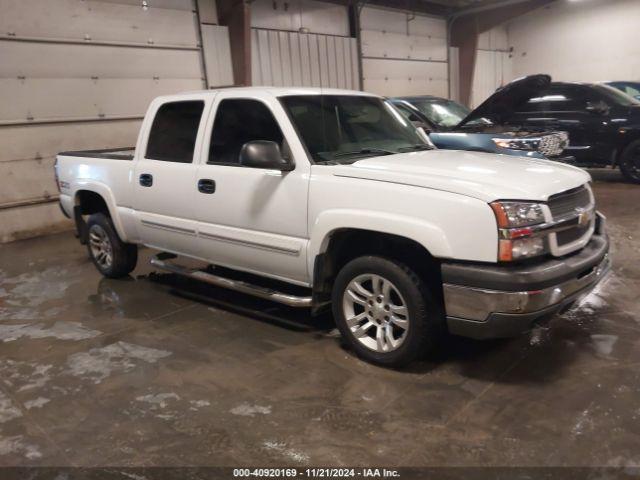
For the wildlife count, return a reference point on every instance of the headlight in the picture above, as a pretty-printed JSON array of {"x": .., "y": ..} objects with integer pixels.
[
  {"x": 517, "y": 214},
  {"x": 517, "y": 238},
  {"x": 517, "y": 143}
]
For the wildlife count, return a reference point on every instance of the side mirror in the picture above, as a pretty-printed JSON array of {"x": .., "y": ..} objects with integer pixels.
[
  {"x": 263, "y": 154},
  {"x": 599, "y": 108}
]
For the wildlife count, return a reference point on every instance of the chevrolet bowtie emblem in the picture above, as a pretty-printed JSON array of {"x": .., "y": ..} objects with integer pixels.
[{"x": 584, "y": 217}]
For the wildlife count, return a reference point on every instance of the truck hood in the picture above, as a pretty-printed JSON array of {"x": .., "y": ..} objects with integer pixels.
[
  {"x": 485, "y": 176},
  {"x": 501, "y": 105}
]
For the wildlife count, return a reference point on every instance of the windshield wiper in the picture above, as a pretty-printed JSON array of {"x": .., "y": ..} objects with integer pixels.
[
  {"x": 365, "y": 151},
  {"x": 417, "y": 146}
]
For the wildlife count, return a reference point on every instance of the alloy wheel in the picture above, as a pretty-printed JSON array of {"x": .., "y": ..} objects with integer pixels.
[
  {"x": 375, "y": 312},
  {"x": 101, "y": 248}
]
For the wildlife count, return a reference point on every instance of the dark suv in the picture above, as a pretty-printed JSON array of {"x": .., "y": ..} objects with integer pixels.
[{"x": 603, "y": 123}]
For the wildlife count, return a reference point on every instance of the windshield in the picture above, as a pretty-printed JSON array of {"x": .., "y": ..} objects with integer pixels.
[
  {"x": 616, "y": 96},
  {"x": 630, "y": 88},
  {"x": 345, "y": 128},
  {"x": 444, "y": 113}
]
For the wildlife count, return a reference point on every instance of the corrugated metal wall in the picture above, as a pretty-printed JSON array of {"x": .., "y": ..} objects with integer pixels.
[
  {"x": 403, "y": 53},
  {"x": 321, "y": 55},
  {"x": 303, "y": 59},
  {"x": 78, "y": 74},
  {"x": 292, "y": 15}
]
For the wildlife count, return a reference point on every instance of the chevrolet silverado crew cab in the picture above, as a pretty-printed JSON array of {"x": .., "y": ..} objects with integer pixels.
[{"x": 317, "y": 198}]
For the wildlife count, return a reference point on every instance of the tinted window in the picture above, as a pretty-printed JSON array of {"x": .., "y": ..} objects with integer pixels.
[
  {"x": 630, "y": 88},
  {"x": 613, "y": 96},
  {"x": 174, "y": 132},
  {"x": 237, "y": 122},
  {"x": 444, "y": 113},
  {"x": 410, "y": 114},
  {"x": 558, "y": 99}
]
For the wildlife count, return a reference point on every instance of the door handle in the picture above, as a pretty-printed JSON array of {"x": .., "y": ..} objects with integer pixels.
[
  {"x": 206, "y": 185},
  {"x": 146, "y": 179}
]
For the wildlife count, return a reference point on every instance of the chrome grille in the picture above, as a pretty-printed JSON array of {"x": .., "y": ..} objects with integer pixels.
[
  {"x": 568, "y": 203},
  {"x": 553, "y": 144},
  {"x": 571, "y": 204}
]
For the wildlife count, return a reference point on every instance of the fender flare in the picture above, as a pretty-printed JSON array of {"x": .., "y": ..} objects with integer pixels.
[
  {"x": 105, "y": 192},
  {"x": 430, "y": 236}
]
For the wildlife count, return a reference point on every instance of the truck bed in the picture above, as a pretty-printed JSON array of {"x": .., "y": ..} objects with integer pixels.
[{"x": 122, "y": 153}]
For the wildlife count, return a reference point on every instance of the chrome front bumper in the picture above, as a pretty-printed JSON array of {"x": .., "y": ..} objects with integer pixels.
[{"x": 480, "y": 312}]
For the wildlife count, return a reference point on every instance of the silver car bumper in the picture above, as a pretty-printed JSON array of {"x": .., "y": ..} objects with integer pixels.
[
  {"x": 477, "y": 303},
  {"x": 527, "y": 295}
]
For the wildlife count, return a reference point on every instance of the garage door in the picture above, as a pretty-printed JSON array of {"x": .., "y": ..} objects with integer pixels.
[
  {"x": 79, "y": 74},
  {"x": 403, "y": 53}
]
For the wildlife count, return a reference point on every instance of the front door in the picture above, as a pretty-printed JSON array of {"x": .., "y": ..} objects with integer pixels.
[
  {"x": 165, "y": 178},
  {"x": 252, "y": 219}
]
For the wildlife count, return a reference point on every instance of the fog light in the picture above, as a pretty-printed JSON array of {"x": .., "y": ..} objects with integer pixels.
[{"x": 527, "y": 247}]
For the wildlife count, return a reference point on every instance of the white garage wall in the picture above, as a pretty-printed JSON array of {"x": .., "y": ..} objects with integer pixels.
[
  {"x": 403, "y": 53},
  {"x": 587, "y": 40},
  {"x": 493, "y": 64},
  {"x": 320, "y": 55},
  {"x": 79, "y": 74}
]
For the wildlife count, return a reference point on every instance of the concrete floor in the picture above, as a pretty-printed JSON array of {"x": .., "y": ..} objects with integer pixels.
[{"x": 148, "y": 371}]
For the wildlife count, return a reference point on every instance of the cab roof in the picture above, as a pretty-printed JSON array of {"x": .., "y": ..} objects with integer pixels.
[{"x": 279, "y": 91}]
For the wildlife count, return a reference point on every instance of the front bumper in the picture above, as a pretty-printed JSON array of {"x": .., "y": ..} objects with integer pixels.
[{"x": 504, "y": 300}]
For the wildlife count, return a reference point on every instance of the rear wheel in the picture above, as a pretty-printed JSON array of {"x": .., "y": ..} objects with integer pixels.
[
  {"x": 385, "y": 311},
  {"x": 630, "y": 162},
  {"x": 111, "y": 256}
]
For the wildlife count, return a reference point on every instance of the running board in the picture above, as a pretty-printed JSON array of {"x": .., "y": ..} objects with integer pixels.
[{"x": 237, "y": 285}]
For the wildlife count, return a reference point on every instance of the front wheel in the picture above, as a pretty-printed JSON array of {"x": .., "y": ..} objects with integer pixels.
[
  {"x": 112, "y": 257},
  {"x": 630, "y": 162},
  {"x": 385, "y": 311}
]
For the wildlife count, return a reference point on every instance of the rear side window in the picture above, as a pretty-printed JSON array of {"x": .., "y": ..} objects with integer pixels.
[
  {"x": 563, "y": 99},
  {"x": 237, "y": 122},
  {"x": 174, "y": 132}
]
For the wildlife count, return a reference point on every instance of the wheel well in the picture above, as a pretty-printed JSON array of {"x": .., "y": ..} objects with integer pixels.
[
  {"x": 87, "y": 203},
  {"x": 347, "y": 244},
  {"x": 632, "y": 135},
  {"x": 91, "y": 202}
]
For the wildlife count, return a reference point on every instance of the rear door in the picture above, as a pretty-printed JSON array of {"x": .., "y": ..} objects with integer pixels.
[{"x": 164, "y": 176}]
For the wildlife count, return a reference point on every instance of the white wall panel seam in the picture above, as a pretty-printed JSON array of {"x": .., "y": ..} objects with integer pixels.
[{"x": 155, "y": 46}]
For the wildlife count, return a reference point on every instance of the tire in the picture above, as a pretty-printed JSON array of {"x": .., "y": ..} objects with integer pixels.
[
  {"x": 112, "y": 257},
  {"x": 422, "y": 316},
  {"x": 630, "y": 162}
]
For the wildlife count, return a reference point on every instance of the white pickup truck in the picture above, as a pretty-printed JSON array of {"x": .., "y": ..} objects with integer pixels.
[{"x": 334, "y": 191}]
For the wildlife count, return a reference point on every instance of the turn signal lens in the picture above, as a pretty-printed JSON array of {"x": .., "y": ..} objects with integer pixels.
[{"x": 504, "y": 251}]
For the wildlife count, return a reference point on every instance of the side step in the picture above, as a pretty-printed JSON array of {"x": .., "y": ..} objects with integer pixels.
[{"x": 237, "y": 285}]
